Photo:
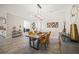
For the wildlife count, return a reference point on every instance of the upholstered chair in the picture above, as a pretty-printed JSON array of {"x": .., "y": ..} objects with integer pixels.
[
  {"x": 43, "y": 41},
  {"x": 48, "y": 37},
  {"x": 30, "y": 38},
  {"x": 30, "y": 33}
]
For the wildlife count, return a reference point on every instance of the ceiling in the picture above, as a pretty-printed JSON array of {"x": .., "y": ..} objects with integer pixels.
[{"x": 29, "y": 10}]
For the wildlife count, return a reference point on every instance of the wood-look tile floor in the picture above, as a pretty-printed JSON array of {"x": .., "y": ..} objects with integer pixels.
[{"x": 20, "y": 45}]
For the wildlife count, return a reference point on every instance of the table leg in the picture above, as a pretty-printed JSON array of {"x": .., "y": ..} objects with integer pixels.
[
  {"x": 37, "y": 48},
  {"x": 38, "y": 44},
  {"x": 33, "y": 43},
  {"x": 30, "y": 42}
]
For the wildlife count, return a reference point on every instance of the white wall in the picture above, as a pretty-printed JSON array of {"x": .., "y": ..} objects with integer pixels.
[
  {"x": 13, "y": 21},
  {"x": 26, "y": 24},
  {"x": 3, "y": 14},
  {"x": 59, "y": 14}
]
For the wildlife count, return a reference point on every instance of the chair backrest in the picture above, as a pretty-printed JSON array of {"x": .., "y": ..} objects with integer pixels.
[
  {"x": 48, "y": 34},
  {"x": 42, "y": 38},
  {"x": 30, "y": 33},
  {"x": 45, "y": 38}
]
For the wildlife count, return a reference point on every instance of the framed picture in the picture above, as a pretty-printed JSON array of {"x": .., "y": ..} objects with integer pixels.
[{"x": 52, "y": 25}]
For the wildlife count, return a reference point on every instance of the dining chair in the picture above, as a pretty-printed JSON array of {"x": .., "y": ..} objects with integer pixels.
[
  {"x": 48, "y": 37},
  {"x": 30, "y": 33},
  {"x": 43, "y": 41},
  {"x": 30, "y": 38}
]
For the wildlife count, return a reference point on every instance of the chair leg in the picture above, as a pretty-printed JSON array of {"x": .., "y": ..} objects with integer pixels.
[
  {"x": 30, "y": 42},
  {"x": 45, "y": 46},
  {"x": 40, "y": 45},
  {"x": 33, "y": 43}
]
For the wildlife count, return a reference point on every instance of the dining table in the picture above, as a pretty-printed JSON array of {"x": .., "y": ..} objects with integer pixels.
[{"x": 33, "y": 38}]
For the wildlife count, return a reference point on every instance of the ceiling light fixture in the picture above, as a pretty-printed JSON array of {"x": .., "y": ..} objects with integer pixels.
[{"x": 39, "y": 6}]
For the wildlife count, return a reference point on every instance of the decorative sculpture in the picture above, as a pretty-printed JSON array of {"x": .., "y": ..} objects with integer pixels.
[{"x": 33, "y": 25}]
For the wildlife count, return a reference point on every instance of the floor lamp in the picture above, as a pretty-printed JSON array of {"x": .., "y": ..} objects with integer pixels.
[{"x": 73, "y": 26}]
